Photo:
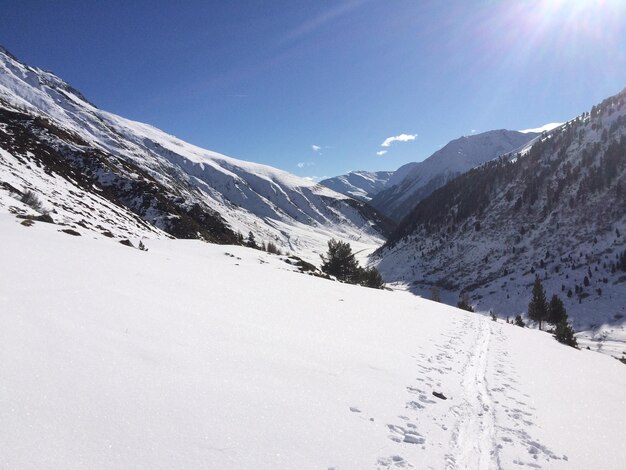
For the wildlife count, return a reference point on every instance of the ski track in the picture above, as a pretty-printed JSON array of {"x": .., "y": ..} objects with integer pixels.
[
  {"x": 479, "y": 429},
  {"x": 473, "y": 440}
]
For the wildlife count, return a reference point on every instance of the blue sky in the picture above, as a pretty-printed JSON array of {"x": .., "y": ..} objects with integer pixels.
[{"x": 315, "y": 87}]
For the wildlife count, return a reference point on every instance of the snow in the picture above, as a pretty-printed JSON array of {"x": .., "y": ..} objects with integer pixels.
[
  {"x": 249, "y": 196},
  {"x": 361, "y": 185},
  {"x": 582, "y": 240},
  {"x": 456, "y": 157},
  {"x": 193, "y": 356},
  {"x": 545, "y": 128}
]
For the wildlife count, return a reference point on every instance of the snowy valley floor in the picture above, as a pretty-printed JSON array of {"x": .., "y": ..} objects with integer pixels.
[{"x": 197, "y": 356}]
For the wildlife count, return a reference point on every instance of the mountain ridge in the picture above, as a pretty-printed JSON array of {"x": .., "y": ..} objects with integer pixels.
[
  {"x": 557, "y": 209},
  {"x": 456, "y": 157},
  {"x": 200, "y": 189}
]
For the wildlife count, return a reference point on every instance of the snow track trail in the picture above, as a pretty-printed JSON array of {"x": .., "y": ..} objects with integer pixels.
[
  {"x": 466, "y": 409},
  {"x": 473, "y": 440}
]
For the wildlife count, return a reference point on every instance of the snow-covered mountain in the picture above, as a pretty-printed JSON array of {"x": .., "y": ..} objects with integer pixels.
[
  {"x": 557, "y": 210},
  {"x": 115, "y": 358},
  {"x": 113, "y": 175},
  {"x": 414, "y": 181},
  {"x": 362, "y": 185}
]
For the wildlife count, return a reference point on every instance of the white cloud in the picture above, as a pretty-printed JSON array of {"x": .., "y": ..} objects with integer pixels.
[
  {"x": 398, "y": 138},
  {"x": 381, "y": 153},
  {"x": 303, "y": 164},
  {"x": 316, "y": 148}
]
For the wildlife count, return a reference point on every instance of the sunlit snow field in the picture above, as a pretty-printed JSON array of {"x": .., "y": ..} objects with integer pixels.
[{"x": 193, "y": 355}]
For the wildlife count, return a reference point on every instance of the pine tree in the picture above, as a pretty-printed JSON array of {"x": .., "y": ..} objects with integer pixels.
[
  {"x": 370, "y": 277},
  {"x": 556, "y": 310},
  {"x": 250, "y": 241},
  {"x": 519, "y": 321},
  {"x": 537, "y": 308},
  {"x": 565, "y": 334},
  {"x": 339, "y": 261}
]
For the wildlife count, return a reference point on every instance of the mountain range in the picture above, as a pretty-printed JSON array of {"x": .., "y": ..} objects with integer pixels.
[
  {"x": 480, "y": 217},
  {"x": 109, "y": 174},
  {"x": 396, "y": 193},
  {"x": 555, "y": 209}
]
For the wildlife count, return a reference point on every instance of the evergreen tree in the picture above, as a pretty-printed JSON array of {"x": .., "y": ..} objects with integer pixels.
[
  {"x": 339, "y": 261},
  {"x": 435, "y": 294},
  {"x": 464, "y": 303},
  {"x": 565, "y": 334},
  {"x": 240, "y": 239},
  {"x": 519, "y": 321},
  {"x": 272, "y": 248},
  {"x": 250, "y": 241},
  {"x": 621, "y": 263},
  {"x": 538, "y": 308},
  {"x": 556, "y": 310},
  {"x": 370, "y": 277}
]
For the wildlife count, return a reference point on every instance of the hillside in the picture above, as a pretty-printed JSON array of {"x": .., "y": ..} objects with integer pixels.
[
  {"x": 101, "y": 171},
  {"x": 362, "y": 185},
  {"x": 556, "y": 210},
  {"x": 121, "y": 358},
  {"x": 416, "y": 181}
]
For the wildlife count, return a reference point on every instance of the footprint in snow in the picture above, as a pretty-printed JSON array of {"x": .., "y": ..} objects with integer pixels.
[
  {"x": 395, "y": 461},
  {"x": 400, "y": 434}
]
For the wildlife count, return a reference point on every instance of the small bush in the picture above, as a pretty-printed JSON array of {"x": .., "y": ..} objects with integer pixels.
[
  {"x": 272, "y": 248},
  {"x": 519, "y": 321},
  {"x": 464, "y": 303},
  {"x": 435, "y": 294},
  {"x": 30, "y": 199}
]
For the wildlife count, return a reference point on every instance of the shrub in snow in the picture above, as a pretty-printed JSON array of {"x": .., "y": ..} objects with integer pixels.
[
  {"x": 464, "y": 303},
  {"x": 271, "y": 248},
  {"x": 565, "y": 334},
  {"x": 435, "y": 294},
  {"x": 30, "y": 199}
]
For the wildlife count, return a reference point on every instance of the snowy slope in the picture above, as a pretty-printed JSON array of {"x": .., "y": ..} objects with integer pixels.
[
  {"x": 545, "y": 128},
  {"x": 208, "y": 191},
  {"x": 458, "y": 156},
  {"x": 557, "y": 210},
  {"x": 362, "y": 185},
  {"x": 118, "y": 358}
]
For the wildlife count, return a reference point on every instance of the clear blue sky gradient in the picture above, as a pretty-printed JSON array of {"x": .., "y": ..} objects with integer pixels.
[{"x": 266, "y": 80}]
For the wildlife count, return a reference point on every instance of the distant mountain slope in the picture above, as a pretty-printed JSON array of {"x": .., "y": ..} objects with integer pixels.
[
  {"x": 174, "y": 186},
  {"x": 403, "y": 192},
  {"x": 362, "y": 185},
  {"x": 557, "y": 210}
]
